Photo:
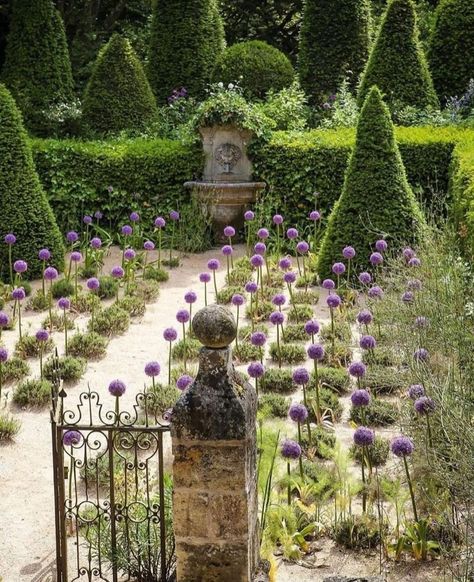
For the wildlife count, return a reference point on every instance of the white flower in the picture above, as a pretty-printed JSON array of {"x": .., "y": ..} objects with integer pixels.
[
  {"x": 230, "y": 86},
  {"x": 220, "y": 84}
]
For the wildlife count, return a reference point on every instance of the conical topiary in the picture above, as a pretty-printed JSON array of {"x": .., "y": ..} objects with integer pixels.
[
  {"x": 37, "y": 69},
  {"x": 118, "y": 96},
  {"x": 334, "y": 44},
  {"x": 397, "y": 64},
  {"x": 451, "y": 52},
  {"x": 376, "y": 199},
  {"x": 25, "y": 210}
]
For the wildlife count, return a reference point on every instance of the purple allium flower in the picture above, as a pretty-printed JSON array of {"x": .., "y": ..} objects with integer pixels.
[
  {"x": 227, "y": 250},
  {"x": 381, "y": 245},
  {"x": 360, "y": 398},
  {"x": 376, "y": 259},
  {"x": 277, "y": 318},
  {"x": 316, "y": 352},
  {"x": 364, "y": 317},
  {"x": 3, "y": 355},
  {"x": 148, "y": 245},
  {"x": 425, "y": 405},
  {"x": 338, "y": 268},
  {"x": 205, "y": 277},
  {"x": 184, "y": 381},
  {"x": 160, "y": 222},
  {"x": 279, "y": 299},
  {"x": 328, "y": 284},
  {"x": 152, "y": 369},
  {"x": 367, "y": 342},
  {"x": 260, "y": 248},
  {"x": 18, "y": 294},
  {"x": 134, "y": 217},
  {"x": 72, "y": 236},
  {"x": 258, "y": 338},
  {"x": 64, "y": 303},
  {"x": 363, "y": 436},
  {"x": 213, "y": 264},
  {"x": 375, "y": 292},
  {"x": 416, "y": 391},
  {"x": 255, "y": 370},
  {"x": 50, "y": 273},
  {"x": 302, "y": 247},
  {"x": 414, "y": 285},
  {"x": 96, "y": 243},
  {"x": 256, "y": 261},
  {"x": 10, "y": 239},
  {"x": 298, "y": 413},
  {"x": 98, "y": 215},
  {"x": 127, "y": 230},
  {"x": 314, "y": 215},
  {"x": 249, "y": 215},
  {"x": 237, "y": 299},
  {"x": 414, "y": 262},
  {"x": 292, "y": 233},
  {"x": 251, "y": 287},
  {"x": 170, "y": 334},
  {"x": 290, "y": 450},
  {"x": 408, "y": 253},
  {"x": 285, "y": 263},
  {"x": 4, "y": 319},
  {"x": 421, "y": 355},
  {"x": 365, "y": 278},
  {"x": 301, "y": 376},
  {"x": 348, "y": 252},
  {"x": 229, "y": 231},
  {"x": 110, "y": 189},
  {"x": 182, "y": 316},
  {"x": 20, "y": 266},
  {"x": 263, "y": 233},
  {"x": 289, "y": 277},
  {"x": 333, "y": 301},
  {"x": 42, "y": 335},
  {"x": 421, "y": 321},
  {"x": 402, "y": 446},
  {"x": 311, "y": 327},
  {"x": 408, "y": 297},
  {"x": 129, "y": 254},
  {"x": 117, "y": 388},
  {"x": 76, "y": 256},
  {"x": 71, "y": 438},
  {"x": 44, "y": 255},
  {"x": 278, "y": 219},
  {"x": 87, "y": 219},
  {"x": 357, "y": 369},
  {"x": 93, "y": 284},
  {"x": 174, "y": 215},
  {"x": 118, "y": 272},
  {"x": 190, "y": 297}
]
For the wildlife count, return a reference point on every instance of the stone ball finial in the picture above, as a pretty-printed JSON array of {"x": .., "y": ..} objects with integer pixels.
[{"x": 214, "y": 326}]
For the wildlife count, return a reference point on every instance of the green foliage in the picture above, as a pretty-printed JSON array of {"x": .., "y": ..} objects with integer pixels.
[
  {"x": 190, "y": 347},
  {"x": 378, "y": 413},
  {"x": 335, "y": 379},
  {"x": 462, "y": 191},
  {"x": 37, "y": 69},
  {"x": 375, "y": 170},
  {"x": 14, "y": 370},
  {"x": 273, "y": 406},
  {"x": 334, "y": 42},
  {"x": 58, "y": 321},
  {"x": 290, "y": 353},
  {"x": 156, "y": 274},
  {"x": 378, "y": 452},
  {"x": 149, "y": 291},
  {"x": 90, "y": 346},
  {"x": 224, "y": 296},
  {"x": 85, "y": 302},
  {"x": 39, "y": 302},
  {"x": 300, "y": 313},
  {"x": 110, "y": 321},
  {"x": 108, "y": 287},
  {"x": 451, "y": 52},
  {"x": 322, "y": 443},
  {"x": 382, "y": 380},
  {"x": 118, "y": 96},
  {"x": 397, "y": 64},
  {"x": 163, "y": 397},
  {"x": 287, "y": 108},
  {"x": 133, "y": 305},
  {"x": 357, "y": 532},
  {"x": 295, "y": 332},
  {"x": 277, "y": 380},
  {"x": 342, "y": 331},
  {"x": 186, "y": 40},
  {"x": 33, "y": 393},
  {"x": 310, "y": 297},
  {"x": 260, "y": 312},
  {"x": 25, "y": 209},
  {"x": 257, "y": 66},
  {"x": 30, "y": 347},
  {"x": 343, "y": 110},
  {"x": 328, "y": 401},
  {"x": 9, "y": 427},
  {"x": 62, "y": 288},
  {"x": 70, "y": 369},
  {"x": 246, "y": 352}
]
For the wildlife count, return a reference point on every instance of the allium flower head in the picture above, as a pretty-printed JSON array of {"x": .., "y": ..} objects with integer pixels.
[
  {"x": 278, "y": 219},
  {"x": 421, "y": 355},
  {"x": 174, "y": 215},
  {"x": 258, "y": 338},
  {"x": 363, "y": 436},
  {"x": 87, "y": 219},
  {"x": 152, "y": 369},
  {"x": 402, "y": 446},
  {"x": 328, "y": 284},
  {"x": 64, "y": 303},
  {"x": 414, "y": 285},
  {"x": 365, "y": 278},
  {"x": 360, "y": 398},
  {"x": 50, "y": 274},
  {"x": 4, "y": 319},
  {"x": 184, "y": 381},
  {"x": 316, "y": 352},
  {"x": 375, "y": 292},
  {"x": 98, "y": 215},
  {"x": 134, "y": 217},
  {"x": 367, "y": 342},
  {"x": 18, "y": 294},
  {"x": 160, "y": 222},
  {"x": 205, "y": 277},
  {"x": 381, "y": 245},
  {"x": 279, "y": 299},
  {"x": 408, "y": 297},
  {"x": 44, "y": 255},
  {"x": 213, "y": 264},
  {"x": 408, "y": 253},
  {"x": 117, "y": 388},
  {"x": 118, "y": 272},
  {"x": 260, "y": 248},
  {"x": 96, "y": 243},
  {"x": 93, "y": 284},
  {"x": 190, "y": 297},
  {"x": 302, "y": 247},
  {"x": 129, "y": 254},
  {"x": 237, "y": 299},
  {"x": 285, "y": 263},
  {"x": 229, "y": 231},
  {"x": 416, "y": 391},
  {"x": 348, "y": 252},
  {"x": 76, "y": 257},
  {"x": 298, "y": 413},
  {"x": 376, "y": 259},
  {"x": 255, "y": 370},
  {"x": 425, "y": 405},
  {"x": 292, "y": 233},
  {"x": 170, "y": 334},
  {"x": 357, "y": 369},
  {"x": 338, "y": 268},
  {"x": 3, "y": 355},
  {"x": 42, "y": 335},
  {"x": 364, "y": 317},
  {"x": 311, "y": 327},
  {"x": 72, "y": 438},
  {"x": 314, "y": 215},
  {"x": 227, "y": 250},
  {"x": 290, "y": 450},
  {"x": 10, "y": 239},
  {"x": 414, "y": 262},
  {"x": 182, "y": 316},
  {"x": 249, "y": 215},
  {"x": 263, "y": 233},
  {"x": 20, "y": 266},
  {"x": 127, "y": 230},
  {"x": 72, "y": 236},
  {"x": 256, "y": 261},
  {"x": 301, "y": 376},
  {"x": 289, "y": 277},
  {"x": 251, "y": 287},
  {"x": 421, "y": 321},
  {"x": 333, "y": 301},
  {"x": 277, "y": 318},
  {"x": 149, "y": 245}
]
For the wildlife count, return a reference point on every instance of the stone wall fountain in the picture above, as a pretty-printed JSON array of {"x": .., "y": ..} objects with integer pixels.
[{"x": 226, "y": 189}]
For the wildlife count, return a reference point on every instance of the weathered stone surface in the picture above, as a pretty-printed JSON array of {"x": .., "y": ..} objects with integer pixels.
[
  {"x": 213, "y": 562},
  {"x": 354, "y": 579},
  {"x": 214, "y": 326}
]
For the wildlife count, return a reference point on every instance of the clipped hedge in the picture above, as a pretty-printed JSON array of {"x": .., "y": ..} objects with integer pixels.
[{"x": 462, "y": 193}]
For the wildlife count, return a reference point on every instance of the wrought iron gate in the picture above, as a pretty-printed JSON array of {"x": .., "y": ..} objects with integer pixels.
[{"x": 112, "y": 496}]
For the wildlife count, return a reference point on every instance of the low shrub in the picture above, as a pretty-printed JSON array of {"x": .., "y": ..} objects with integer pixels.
[
  {"x": 85, "y": 302},
  {"x": 382, "y": 356},
  {"x": 382, "y": 380},
  {"x": 62, "y": 288},
  {"x": 33, "y": 393},
  {"x": 190, "y": 347},
  {"x": 260, "y": 312},
  {"x": 290, "y": 353},
  {"x": 58, "y": 321},
  {"x": 134, "y": 306},
  {"x": 70, "y": 369},
  {"x": 90, "y": 346},
  {"x": 308, "y": 297},
  {"x": 38, "y": 302},
  {"x": 155, "y": 274},
  {"x": 238, "y": 277},
  {"x": 178, "y": 371},
  {"x": 378, "y": 413},
  {"x": 9, "y": 427},
  {"x": 273, "y": 406},
  {"x": 109, "y": 322},
  {"x": 378, "y": 452},
  {"x": 322, "y": 443},
  {"x": 108, "y": 287},
  {"x": 328, "y": 401},
  {"x": 342, "y": 332},
  {"x": 277, "y": 380},
  {"x": 357, "y": 532},
  {"x": 30, "y": 347},
  {"x": 335, "y": 379},
  {"x": 246, "y": 352},
  {"x": 15, "y": 370},
  {"x": 147, "y": 290},
  {"x": 338, "y": 357},
  {"x": 225, "y": 295},
  {"x": 294, "y": 332},
  {"x": 161, "y": 398},
  {"x": 299, "y": 313},
  {"x": 246, "y": 331}
]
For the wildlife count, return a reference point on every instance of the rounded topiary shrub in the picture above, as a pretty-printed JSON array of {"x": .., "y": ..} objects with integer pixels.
[
  {"x": 257, "y": 66},
  {"x": 118, "y": 96}
]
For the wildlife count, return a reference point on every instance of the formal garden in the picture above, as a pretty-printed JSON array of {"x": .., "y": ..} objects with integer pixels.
[{"x": 308, "y": 166}]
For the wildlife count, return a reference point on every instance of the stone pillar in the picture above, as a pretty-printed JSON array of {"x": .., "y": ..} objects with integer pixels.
[{"x": 213, "y": 432}]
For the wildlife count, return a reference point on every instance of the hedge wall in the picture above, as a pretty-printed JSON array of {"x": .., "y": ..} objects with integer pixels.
[{"x": 462, "y": 192}]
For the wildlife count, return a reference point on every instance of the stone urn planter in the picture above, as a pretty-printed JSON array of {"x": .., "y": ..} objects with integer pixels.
[{"x": 226, "y": 189}]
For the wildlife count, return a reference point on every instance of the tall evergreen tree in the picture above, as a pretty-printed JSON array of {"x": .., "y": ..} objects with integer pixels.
[
  {"x": 376, "y": 199},
  {"x": 451, "y": 53},
  {"x": 334, "y": 44},
  {"x": 397, "y": 64},
  {"x": 186, "y": 39},
  {"x": 118, "y": 95},
  {"x": 25, "y": 210},
  {"x": 37, "y": 69}
]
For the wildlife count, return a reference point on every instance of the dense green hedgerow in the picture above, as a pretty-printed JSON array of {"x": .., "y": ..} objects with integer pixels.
[
  {"x": 375, "y": 173},
  {"x": 24, "y": 207},
  {"x": 187, "y": 36},
  {"x": 397, "y": 64},
  {"x": 334, "y": 44},
  {"x": 118, "y": 96},
  {"x": 462, "y": 191},
  {"x": 451, "y": 51},
  {"x": 257, "y": 66}
]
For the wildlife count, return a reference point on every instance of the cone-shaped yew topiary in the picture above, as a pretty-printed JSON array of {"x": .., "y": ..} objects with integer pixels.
[
  {"x": 451, "y": 52},
  {"x": 37, "y": 69},
  {"x": 397, "y": 64},
  {"x": 25, "y": 210},
  {"x": 334, "y": 44},
  {"x": 118, "y": 96},
  {"x": 376, "y": 199}
]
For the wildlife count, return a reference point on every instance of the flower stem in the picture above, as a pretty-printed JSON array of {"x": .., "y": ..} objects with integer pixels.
[
  {"x": 288, "y": 471},
  {"x": 169, "y": 365},
  {"x": 215, "y": 284},
  {"x": 410, "y": 486}
]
